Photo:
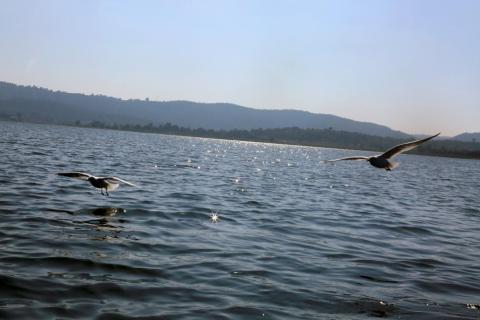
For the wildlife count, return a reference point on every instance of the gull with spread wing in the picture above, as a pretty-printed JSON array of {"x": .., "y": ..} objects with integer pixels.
[
  {"x": 382, "y": 161},
  {"x": 107, "y": 183}
]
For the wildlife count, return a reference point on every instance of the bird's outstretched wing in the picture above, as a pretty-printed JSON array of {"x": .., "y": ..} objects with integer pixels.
[
  {"x": 348, "y": 158},
  {"x": 76, "y": 175},
  {"x": 118, "y": 180},
  {"x": 405, "y": 147}
]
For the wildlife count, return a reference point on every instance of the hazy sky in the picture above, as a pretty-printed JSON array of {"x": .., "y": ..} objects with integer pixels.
[{"x": 411, "y": 65}]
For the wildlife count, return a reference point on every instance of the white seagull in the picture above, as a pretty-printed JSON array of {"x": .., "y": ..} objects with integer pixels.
[
  {"x": 382, "y": 160},
  {"x": 107, "y": 183}
]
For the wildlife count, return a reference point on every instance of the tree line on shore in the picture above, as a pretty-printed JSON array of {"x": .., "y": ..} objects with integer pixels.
[{"x": 309, "y": 137}]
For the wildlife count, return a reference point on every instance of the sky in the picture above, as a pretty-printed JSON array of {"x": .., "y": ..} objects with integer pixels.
[{"x": 411, "y": 65}]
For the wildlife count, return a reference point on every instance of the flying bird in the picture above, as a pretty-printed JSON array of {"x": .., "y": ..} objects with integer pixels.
[
  {"x": 382, "y": 161},
  {"x": 107, "y": 183}
]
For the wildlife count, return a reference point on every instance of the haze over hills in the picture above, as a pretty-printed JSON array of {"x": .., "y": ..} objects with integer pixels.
[
  {"x": 35, "y": 104},
  {"x": 468, "y": 137}
]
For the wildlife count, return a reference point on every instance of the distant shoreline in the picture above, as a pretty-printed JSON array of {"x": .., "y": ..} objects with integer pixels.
[{"x": 325, "y": 138}]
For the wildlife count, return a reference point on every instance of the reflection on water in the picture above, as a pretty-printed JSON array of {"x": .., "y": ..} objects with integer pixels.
[
  {"x": 103, "y": 212},
  {"x": 103, "y": 221},
  {"x": 297, "y": 239},
  {"x": 107, "y": 212}
]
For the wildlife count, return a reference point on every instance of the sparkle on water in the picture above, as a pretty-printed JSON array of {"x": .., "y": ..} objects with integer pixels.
[{"x": 214, "y": 217}]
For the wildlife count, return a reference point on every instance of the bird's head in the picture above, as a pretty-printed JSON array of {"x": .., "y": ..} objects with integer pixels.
[
  {"x": 370, "y": 159},
  {"x": 90, "y": 179}
]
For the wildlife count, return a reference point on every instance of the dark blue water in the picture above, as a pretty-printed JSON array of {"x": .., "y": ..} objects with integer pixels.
[{"x": 296, "y": 239}]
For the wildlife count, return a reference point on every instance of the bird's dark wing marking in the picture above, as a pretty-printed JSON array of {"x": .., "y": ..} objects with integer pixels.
[
  {"x": 349, "y": 158},
  {"x": 75, "y": 175},
  {"x": 405, "y": 147}
]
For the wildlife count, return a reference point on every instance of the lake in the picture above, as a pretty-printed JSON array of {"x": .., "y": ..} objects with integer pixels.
[{"x": 296, "y": 238}]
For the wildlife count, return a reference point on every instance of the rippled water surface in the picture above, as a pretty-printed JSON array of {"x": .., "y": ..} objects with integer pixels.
[{"x": 296, "y": 238}]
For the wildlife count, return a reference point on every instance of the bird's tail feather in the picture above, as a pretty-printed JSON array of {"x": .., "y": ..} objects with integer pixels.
[{"x": 392, "y": 165}]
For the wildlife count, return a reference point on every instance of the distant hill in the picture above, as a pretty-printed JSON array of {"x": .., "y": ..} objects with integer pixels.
[
  {"x": 30, "y": 103},
  {"x": 468, "y": 137}
]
